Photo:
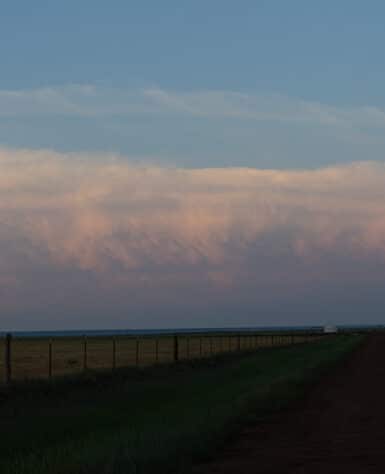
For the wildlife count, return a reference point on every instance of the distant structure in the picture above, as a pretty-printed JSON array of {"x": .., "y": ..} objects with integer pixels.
[{"x": 329, "y": 329}]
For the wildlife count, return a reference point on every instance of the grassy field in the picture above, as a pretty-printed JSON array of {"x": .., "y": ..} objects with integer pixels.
[
  {"x": 30, "y": 356},
  {"x": 153, "y": 420}
]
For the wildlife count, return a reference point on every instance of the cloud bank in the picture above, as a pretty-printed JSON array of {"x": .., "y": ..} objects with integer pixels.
[{"x": 119, "y": 243}]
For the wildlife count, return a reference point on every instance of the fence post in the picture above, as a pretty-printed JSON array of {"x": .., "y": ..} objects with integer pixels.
[
  {"x": 137, "y": 352},
  {"x": 157, "y": 350},
  {"x": 176, "y": 348},
  {"x": 114, "y": 352},
  {"x": 188, "y": 348},
  {"x": 211, "y": 345},
  {"x": 200, "y": 347},
  {"x": 85, "y": 358},
  {"x": 239, "y": 343},
  {"x": 50, "y": 359},
  {"x": 8, "y": 359}
]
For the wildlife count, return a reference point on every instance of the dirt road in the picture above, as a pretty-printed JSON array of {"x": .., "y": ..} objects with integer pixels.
[{"x": 339, "y": 428}]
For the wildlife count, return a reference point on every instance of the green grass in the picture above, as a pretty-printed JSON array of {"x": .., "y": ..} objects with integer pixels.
[{"x": 157, "y": 419}]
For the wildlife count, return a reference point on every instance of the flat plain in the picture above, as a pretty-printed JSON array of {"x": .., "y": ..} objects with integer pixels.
[
  {"x": 154, "y": 420},
  {"x": 41, "y": 358}
]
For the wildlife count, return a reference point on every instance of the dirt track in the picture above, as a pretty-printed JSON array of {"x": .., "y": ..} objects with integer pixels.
[{"x": 339, "y": 428}]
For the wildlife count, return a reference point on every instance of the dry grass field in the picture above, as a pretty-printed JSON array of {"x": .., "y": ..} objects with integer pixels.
[
  {"x": 37, "y": 358},
  {"x": 159, "y": 419}
]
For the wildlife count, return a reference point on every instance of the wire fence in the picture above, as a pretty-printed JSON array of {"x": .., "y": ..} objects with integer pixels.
[{"x": 27, "y": 358}]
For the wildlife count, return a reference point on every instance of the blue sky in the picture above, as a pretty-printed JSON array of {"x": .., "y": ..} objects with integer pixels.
[
  {"x": 200, "y": 163},
  {"x": 329, "y": 51},
  {"x": 315, "y": 55}
]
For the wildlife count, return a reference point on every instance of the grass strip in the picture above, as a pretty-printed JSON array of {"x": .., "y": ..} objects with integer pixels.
[{"x": 156, "y": 420}]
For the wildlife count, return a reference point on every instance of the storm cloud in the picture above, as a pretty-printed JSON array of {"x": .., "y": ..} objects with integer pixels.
[{"x": 102, "y": 241}]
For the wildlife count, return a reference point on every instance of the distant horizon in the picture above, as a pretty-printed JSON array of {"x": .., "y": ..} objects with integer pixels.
[{"x": 176, "y": 330}]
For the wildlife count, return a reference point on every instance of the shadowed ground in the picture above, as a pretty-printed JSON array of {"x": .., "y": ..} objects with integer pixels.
[{"x": 339, "y": 428}]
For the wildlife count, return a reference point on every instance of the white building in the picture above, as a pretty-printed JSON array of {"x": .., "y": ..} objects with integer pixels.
[{"x": 329, "y": 329}]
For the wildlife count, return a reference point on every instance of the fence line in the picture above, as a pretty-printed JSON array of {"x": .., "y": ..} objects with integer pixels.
[{"x": 36, "y": 358}]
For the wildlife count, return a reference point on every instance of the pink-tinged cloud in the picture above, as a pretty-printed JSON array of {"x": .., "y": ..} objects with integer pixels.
[{"x": 96, "y": 234}]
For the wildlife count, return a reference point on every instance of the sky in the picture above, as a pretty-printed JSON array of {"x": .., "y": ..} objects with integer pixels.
[{"x": 191, "y": 164}]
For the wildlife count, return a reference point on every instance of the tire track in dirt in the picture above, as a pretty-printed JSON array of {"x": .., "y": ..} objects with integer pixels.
[{"x": 339, "y": 428}]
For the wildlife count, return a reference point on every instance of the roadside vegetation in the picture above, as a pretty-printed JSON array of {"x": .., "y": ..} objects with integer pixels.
[{"x": 154, "y": 420}]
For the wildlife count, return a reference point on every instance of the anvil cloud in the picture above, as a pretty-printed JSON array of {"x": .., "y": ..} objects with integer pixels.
[{"x": 101, "y": 241}]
